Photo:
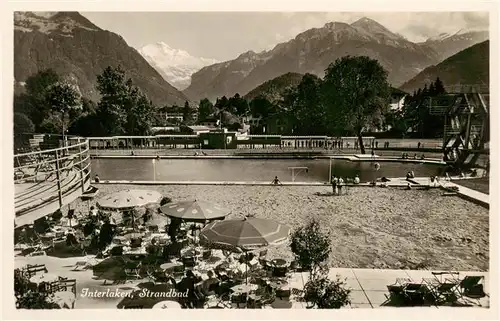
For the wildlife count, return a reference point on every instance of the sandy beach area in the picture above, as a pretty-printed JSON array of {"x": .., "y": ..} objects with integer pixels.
[{"x": 369, "y": 227}]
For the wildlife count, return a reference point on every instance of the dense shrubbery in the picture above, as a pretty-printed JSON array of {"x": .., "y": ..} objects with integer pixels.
[{"x": 28, "y": 296}]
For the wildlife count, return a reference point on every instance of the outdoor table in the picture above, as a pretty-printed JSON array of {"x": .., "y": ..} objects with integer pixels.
[
  {"x": 139, "y": 250},
  {"x": 44, "y": 277},
  {"x": 278, "y": 284},
  {"x": 244, "y": 288},
  {"x": 278, "y": 263},
  {"x": 170, "y": 265},
  {"x": 167, "y": 304}
]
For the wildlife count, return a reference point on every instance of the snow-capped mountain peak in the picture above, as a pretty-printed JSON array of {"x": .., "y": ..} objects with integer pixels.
[
  {"x": 175, "y": 65},
  {"x": 469, "y": 30},
  {"x": 439, "y": 37},
  {"x": 460, "y": 32}
]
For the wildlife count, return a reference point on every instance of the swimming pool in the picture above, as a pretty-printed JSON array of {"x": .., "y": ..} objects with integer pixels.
[{"x": 249, "y": 170}]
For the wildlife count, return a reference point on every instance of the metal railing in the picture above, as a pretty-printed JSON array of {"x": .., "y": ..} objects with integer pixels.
[{"x": 51, "y": 176}]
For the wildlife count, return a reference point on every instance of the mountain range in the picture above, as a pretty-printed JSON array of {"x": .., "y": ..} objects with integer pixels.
[
  {"x": 313, "y": 50},
  {"x": 446, "y": 45},
  {"x": 176, "y": 66},
  {"x": 470, "y": 66},
  {"x": 78, "y": 50}
]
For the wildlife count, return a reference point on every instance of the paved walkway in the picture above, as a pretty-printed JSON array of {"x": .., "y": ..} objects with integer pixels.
[{"x": 368, "y": 286}]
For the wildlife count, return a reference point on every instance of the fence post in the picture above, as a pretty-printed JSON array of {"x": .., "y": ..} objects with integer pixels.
[
  {"x": 81, "y": 165},
  {"x": 58, "y": 179}
]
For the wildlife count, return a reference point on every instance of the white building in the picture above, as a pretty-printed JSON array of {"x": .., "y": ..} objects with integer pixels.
[{"x": 397, "y": 99}]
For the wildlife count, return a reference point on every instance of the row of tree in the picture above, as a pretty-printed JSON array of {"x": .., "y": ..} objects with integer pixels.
[
  {"x": 352, "y": 97},
  {"x": 416, "y": 118},
  {"x": 51, "y": 105}
]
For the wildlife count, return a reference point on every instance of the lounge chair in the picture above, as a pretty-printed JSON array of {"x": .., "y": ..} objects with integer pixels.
[{"x": 80, "y": 264}]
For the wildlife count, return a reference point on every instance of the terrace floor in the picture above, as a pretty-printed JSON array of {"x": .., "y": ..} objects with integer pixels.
[{"x": 368, "y": 286}]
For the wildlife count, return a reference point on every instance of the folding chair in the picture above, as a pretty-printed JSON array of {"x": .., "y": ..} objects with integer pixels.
[
  {"x": 414, "y": 294},
  {"x": 471, "y": 288},
  {"x": 442, "y": 287},
  {"x": 133, "y": 272}
]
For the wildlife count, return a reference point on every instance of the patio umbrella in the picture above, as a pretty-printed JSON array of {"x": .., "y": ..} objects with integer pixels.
[
  {"x": 245, "y": 234},
  {"x": 129, "y": 198},
  {"x": 194, "y": 210},
  {"x": 248, "y": 234}
]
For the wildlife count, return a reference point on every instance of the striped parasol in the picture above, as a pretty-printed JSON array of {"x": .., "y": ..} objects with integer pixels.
[
  {"x": 248, "y": 233},
  {"x": 128, "y": 199},
  {"x": 194, "y": 210}
]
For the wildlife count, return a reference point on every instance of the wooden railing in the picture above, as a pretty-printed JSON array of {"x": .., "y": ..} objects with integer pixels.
[{"x": 46, "y": 180}]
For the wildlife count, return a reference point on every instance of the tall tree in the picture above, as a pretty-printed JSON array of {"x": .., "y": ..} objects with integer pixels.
[
  {"x": 64, "y": 100},
  {"x": 187, "y": 113},
  {"x": 32, "y": 102},
  {"x": 261, "y": 107},
  {"x": 439, "y": 87},
  {"x": 23, "y": 124},
  {"x": 114, "y": 93},
  {"x": 238, "y": 106},
  {"x": 205, "y": 109},
  {"x": 141, "y": 116},
  {"x": 356, "y": 94},
  {"x": 307, "y": 108}
]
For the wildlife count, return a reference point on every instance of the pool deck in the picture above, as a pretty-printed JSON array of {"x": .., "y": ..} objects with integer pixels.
[
  {"x": 368, "y": 286},
  {"x": 464, "y": 192},
  {"x": 401, "y": 182}
]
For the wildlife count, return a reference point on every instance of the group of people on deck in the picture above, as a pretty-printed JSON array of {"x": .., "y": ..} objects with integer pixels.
[{"x": 339, "y": 185}]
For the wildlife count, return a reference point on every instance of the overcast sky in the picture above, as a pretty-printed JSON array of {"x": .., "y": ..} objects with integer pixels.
[{"x": 225, "y": 35}]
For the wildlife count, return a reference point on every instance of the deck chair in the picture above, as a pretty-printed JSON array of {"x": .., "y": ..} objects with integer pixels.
[
  {"x": 80, "y": 266},
  {"x": 471, "y": 288}
]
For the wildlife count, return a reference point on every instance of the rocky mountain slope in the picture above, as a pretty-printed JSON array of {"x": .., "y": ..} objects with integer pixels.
[
  {"x": 470, "y": 66},
  {"x": 446, "y": 45},
  {"x": 176, "y": 66},
  {"x": 312, "y": 51},
  {"x": 78, "y": 50},
  {"x": 274, "y": 89}
]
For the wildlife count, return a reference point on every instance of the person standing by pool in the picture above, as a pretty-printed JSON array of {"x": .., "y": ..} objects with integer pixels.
[
  {"x": 96, "y": 178},
  {"x": 356, "y": 179},
  {"x": 341, "y": 185},
  {"x": 334, "y": 183}
]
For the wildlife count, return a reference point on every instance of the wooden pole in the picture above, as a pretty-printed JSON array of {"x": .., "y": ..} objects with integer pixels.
[{"x": 58, "y": 179}]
